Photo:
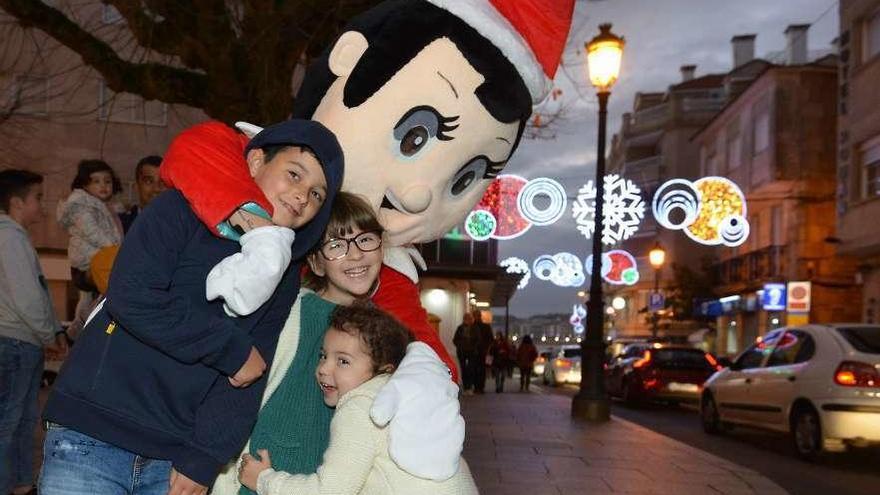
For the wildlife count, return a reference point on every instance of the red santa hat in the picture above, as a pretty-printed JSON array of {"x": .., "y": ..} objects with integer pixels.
[{"x": 530, "y": 33}]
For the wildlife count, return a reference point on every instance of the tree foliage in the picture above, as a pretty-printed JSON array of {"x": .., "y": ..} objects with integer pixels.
[
  {"x": 234, "y": 59},
  {"x": 691, "y": 285}
]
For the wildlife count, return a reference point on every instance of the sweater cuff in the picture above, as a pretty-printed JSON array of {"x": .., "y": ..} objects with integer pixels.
[
  {"x": 263, "y": 480},
  {"x": 197, "y": 466},
  {"x": 232, "y": 357}
]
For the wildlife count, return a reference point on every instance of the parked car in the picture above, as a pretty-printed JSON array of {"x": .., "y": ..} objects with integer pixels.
[
  {"x": 656, "y": 372},
  {"x": 818, "y": 383},
  {"x": 564, "y": 366},
  {"x": 541, "y": 362}
]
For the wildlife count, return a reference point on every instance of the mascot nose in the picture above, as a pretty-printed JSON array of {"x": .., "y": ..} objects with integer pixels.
[{"x": 416, "y": 199}]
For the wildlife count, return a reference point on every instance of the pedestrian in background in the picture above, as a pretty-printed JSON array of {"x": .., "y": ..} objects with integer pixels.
[
  {"x": 148, "y": 185},
  {"x": 27, "y": 326},
  {"x": 526, "y": 355},
  {"x": 484, "y": 341},
  {"x": 499, "y": 353},
  {"x": 466, "y": 343},
  {"x": 89, "y": 217}
]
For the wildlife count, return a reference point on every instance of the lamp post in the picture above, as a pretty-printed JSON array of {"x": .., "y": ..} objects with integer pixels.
[
  {"x": 604, "y": 53},
  {"x": 657, "y": 256}
]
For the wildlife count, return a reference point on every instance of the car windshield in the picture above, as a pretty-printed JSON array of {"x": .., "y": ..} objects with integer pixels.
[
  {"x": 863, "y": 339},
  {"x": 570, "y": 353},
  {"x": 681, "y": 358}
]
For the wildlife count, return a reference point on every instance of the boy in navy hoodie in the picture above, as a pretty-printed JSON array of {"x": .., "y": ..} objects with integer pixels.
[{"x": 162, "y": 388}]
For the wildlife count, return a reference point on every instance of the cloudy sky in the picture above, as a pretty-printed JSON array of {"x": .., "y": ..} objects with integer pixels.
[{"x": 661, "y": 36}]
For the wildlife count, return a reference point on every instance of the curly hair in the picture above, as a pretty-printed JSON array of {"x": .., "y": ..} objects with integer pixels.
[{"x": 384, "y": 337}]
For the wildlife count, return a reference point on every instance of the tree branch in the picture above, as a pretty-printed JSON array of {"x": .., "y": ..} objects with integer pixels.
[{"x": 150, "y": 80}]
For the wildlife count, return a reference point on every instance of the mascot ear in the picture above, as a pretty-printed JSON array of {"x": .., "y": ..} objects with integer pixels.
[
  {"x": 347, "y": 52},
  {"x": 249, "y": 130}
]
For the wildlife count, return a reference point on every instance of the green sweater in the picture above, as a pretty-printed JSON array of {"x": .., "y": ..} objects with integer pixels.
[{"x": 294, "y": 424}]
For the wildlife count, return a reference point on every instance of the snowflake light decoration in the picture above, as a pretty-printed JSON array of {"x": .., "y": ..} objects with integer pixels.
[
  {"x": 578, "y": 318},
  {"x": 517, "y": 265},
  {"x": 623, "y": 209},
  {"x": 562, "y": 269}
]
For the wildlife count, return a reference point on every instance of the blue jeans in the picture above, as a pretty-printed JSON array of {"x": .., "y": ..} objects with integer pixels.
[
  {"x": 77, "y": 464},
  {"x": 21, "y": 367}
]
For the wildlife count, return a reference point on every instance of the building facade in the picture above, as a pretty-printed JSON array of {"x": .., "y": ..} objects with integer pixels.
[
  {"x": 773, "y": 141},
  {"x": 858, "y": 138}
]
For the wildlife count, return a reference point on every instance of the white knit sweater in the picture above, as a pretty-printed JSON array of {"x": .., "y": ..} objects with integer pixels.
[{"x": 357, "y": 460}]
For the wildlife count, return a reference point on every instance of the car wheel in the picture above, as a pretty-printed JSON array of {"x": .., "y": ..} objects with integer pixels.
[
  {"x": 627, "y": 394},
  {"x": 709, "y": 416},
  {"x": 806, "y": 430},
  {"x": 553, "y": 382},
  {"x": 544, "y": 378}
]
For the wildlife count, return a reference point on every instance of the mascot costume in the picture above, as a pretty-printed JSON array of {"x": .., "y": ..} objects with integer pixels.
[{"x": 428, "y": 99}]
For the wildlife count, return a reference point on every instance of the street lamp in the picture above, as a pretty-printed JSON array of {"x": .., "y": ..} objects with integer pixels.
[
  {"x": 604, "y": 53},
  {"x": 657, "y": 256}
]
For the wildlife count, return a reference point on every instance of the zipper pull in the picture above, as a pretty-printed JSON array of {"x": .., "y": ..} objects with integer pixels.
[{"x": 110, "y": 328}]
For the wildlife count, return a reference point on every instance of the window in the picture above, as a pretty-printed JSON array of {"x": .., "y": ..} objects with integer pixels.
[
  {"x": 734, "y": 152},
  {"x": 26, "y": 95},
  {"x": 761, "y": 137},
  {"x": 795, "y": 347},
  {"x": 751, "y": 358},
  {"x": 869, "y": 157},
  {"x": 871, "y": 37},
  {"x": 128, "y": 108},
  {"x": 776, "y": 229},
  {"x": 863, "y": 339}
]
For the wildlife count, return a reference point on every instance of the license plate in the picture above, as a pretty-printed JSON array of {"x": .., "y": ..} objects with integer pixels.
[{"x": 683, "y": 387}]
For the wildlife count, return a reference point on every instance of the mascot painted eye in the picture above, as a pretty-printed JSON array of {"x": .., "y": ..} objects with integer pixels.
[
  {"x": 468, "y": 175},
  {"x": 418, "y": 126}
]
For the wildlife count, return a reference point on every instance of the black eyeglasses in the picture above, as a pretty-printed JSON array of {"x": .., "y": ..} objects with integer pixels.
[{"x": 337, "y": 248}]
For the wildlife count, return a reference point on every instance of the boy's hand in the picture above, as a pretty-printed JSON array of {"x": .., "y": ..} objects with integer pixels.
[
  {"x": 250, "y": 371},
  {"x": 247, "y": 221},
  {"x": 250, "y": 468},
  {"x": 181, "y": 485}
]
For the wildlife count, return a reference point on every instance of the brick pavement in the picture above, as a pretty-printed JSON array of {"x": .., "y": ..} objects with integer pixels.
[{"x": 520, "y": 443}]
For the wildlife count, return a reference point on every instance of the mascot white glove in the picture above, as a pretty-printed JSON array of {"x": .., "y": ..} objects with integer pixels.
[
  {"x": 247, "y": 279},
  {"x": 426, "y": 434}
]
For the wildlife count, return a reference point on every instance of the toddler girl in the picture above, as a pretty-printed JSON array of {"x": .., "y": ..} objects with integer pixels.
[
  {"x": 361, "y": 348},
  {"x": 88, "y": 216}
]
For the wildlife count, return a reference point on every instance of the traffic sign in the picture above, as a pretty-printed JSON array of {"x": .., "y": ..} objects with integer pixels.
[{"x": 656, "y": 302}]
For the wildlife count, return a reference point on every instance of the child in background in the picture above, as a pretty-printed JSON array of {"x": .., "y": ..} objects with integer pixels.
[
  {"x": 360, "y": 350},
  {"x": 89, "y": 218}
]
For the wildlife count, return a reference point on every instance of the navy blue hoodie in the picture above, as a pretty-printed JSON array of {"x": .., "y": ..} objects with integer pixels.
[{"x": 149, "y": 372}]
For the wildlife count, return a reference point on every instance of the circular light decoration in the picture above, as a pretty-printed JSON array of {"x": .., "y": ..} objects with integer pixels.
[
  {"x": 733, "y": 230},
  {"x": 719, "y": 198},
  {"x": 480, "y": 225},
  {"x": 618, "y": 267},
  {"x": 544, "y": 267},
  {"x": 676, "y": 194},
  {"x": 517, "y": 265},
  {"x": 562, "y": 269},
  {"x": 500, "y": 199},
  {"x": 578, "y": 318},
  {"x": 548, "y": 188},
  {"x": 622, "y": 211},
  {"x": 712, "y": 210}
]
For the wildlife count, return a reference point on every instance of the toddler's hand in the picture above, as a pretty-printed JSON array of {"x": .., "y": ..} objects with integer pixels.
[{"x": 250, "y": 468}]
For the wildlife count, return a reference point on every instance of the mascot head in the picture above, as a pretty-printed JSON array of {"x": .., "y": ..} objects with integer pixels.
[{"x": 429, "y": 98}]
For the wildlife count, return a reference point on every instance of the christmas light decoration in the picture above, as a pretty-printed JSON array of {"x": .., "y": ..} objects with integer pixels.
[
  {"x": 548, "y": 188},
  {"x": 623, "y": 209},
  {"x": 562, "y": 269},
  {"x": 517, "y": 265},
  {"x": 500, "y": 199},
  {"x": 618, "y": 267},
  {"x": 578, "y": 317},
  {"x": 480, "y": 225},
  {"x": 712, "y": 210}
]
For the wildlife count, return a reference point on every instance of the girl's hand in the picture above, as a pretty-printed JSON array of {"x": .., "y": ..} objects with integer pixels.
[{"x": 251, "y": 468}]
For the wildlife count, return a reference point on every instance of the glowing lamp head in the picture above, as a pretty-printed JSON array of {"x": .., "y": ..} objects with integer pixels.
[
  {"x": 604, "y": 54},
  {"x": 618, "y": 303},
  {"x": 657, "y": 256}
]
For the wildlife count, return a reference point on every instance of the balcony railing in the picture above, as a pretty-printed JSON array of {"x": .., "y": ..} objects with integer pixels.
[
  {"x": 650, "y": 116},
  {"x": 756, "y": 266},
  {"x": 460, "y": 252}
]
